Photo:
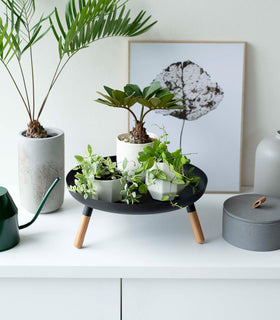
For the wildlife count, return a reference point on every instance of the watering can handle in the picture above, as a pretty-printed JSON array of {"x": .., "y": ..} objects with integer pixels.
[{"x": 41, "y": 204}]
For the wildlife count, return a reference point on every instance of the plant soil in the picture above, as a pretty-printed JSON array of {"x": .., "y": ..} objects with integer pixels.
[
  {"x": 35, "y": 130},
  {"x": 139, "y": 134}
]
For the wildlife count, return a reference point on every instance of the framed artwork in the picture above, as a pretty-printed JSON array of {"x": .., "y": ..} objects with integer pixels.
[{"x": 209, "y": 78}]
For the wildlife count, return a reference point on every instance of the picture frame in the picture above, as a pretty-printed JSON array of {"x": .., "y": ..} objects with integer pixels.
[{"x": 209, "y": 78}]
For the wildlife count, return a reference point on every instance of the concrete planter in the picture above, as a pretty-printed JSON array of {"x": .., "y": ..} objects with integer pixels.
[
  {"x": 108, "y": 190},
  {"x": 40, "y": 161},
  {"x": 130, "y": 151},
  {"x": 163, "y": 188}
]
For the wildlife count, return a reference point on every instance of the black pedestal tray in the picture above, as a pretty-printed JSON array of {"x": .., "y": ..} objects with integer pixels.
[{"x": 146, "y": 206}]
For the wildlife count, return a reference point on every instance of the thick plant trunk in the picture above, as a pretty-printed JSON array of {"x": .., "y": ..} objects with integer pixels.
[
  {"x": 36, "y": 130},
  {"x": 139, "y": 134}
]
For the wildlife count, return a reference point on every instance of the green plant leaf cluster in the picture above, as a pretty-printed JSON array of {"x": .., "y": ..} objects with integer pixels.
[
  {"x": 84, "y": 22},
  {"x": 20, "y": 32},
  {"x": 152, "y": 97},
  {"x": 175, "y": 161},
  {"x": 133, "y": 186},
  {"x": 93, "y": 166},
  {"x": 91, "y": 20}
]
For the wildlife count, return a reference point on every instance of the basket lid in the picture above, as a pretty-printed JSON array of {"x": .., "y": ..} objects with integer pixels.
[{"x": 240, "y": 207}]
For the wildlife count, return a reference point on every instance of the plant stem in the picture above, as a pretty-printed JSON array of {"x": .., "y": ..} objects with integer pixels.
[
  {"x": 50, "y": 88},
  {"x": 133, "y": 114},
  {"x": 33, "y": 82},
  {"x": 144, "y": 115},
  {"x": 24, "y": 83},
  {"x": 31, "y": 60},
  {"x": 142, "y": 111},
  {"x": 181, "y": 134},
  {"x": 14, "y": 81},
  {"x": 54, "y": 79}
]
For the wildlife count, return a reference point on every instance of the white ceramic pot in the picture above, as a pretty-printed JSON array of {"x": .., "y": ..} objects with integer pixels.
[
  {"x": 267, "y": 166},
  {"x": 130, "y": 151},
  {"x": 108, "y": 190},
  {"x": 40, "y": 161},
  {"x": 163, "y": 188}
]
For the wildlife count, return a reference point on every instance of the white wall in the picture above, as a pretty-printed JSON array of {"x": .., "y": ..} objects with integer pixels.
[{"x": 71, "y": 105}]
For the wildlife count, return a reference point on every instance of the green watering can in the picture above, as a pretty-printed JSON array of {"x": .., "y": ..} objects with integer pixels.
[{"x": 9, "y": 235}]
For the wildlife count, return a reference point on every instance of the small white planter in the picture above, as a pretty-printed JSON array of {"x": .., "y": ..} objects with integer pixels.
[
  {"x": 130, "y": 151},
  {"x": 108, "y": 190},
  {"x": 163, "y": 188},
  {"x": 40, "y": 161}
]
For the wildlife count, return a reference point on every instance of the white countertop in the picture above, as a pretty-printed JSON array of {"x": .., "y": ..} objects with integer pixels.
[{"x": 127, "y": 246}]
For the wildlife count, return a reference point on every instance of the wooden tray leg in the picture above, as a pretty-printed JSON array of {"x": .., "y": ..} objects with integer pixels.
[
  {"x": 197, "y": 230},
  {"x": 80, "y": 236}
]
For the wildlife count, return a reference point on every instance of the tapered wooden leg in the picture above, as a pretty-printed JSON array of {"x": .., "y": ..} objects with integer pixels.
[
  {"x": 80, "y": 236},
  {"x": 197, "y": 230}
]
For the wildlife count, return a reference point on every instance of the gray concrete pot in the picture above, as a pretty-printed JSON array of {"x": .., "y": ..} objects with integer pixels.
[{"x": 40, "y": 161}]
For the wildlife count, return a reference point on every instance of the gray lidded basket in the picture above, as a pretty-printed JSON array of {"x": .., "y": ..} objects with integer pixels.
[{"x": 252, "y": 229}]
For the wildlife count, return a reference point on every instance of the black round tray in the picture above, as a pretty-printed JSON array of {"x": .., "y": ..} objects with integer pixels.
[{"x": 147, "y": 205}]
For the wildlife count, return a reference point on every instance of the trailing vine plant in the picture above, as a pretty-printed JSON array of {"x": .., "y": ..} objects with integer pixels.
[{"x": 85, "y": 22}]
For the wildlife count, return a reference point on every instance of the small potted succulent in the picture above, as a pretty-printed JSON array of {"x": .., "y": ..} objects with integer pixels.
[
  {"x": 166, "y": 173},
  {"x": 41, "y": 150},
  {"x": 152, "y": 98},
  {"x": 100, "y": 179}
]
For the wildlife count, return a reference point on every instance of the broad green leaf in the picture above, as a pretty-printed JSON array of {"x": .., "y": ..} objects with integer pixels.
[
  {"x": 119, "y": 95},
  {"x": 143, "y": 188},
  {"x": 162, "y": 176},
  {"x": 133, "y": 89},
  {"x": 149, "y": 164},
  {"x": 152, "y": 89},
  {"x": 178, "y": 181},
  {"x": 79, "y": 158},
  {"x": 109, "y": 91},
  {"x": 124, "y": 164},
  {"x": 165, "y": 198},
  {"x": 89, "y": 149}
]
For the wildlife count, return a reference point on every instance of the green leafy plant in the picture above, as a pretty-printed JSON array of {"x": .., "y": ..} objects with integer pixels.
[
  {"x": 133, "y": 186},
  {"x": 153, "y": 97},
  {"x": 85, "y": 22},
  {"x": 175, "y": 161},
  {"x": 93, "y": 167}
]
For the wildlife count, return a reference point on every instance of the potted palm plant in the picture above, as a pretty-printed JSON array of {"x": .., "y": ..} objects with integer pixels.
[
  {"x": 41, "y": 150},
  {"x": 152, "y": 98}
]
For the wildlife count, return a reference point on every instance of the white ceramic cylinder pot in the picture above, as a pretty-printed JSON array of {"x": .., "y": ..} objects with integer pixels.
[
  {"x": 40, "y": 161},
  {"x": 160, "y": 188},
  {"x": 130, "y": 150},
  {"x": 108, "y": 190},
  {"x": 267, "y": 166}
]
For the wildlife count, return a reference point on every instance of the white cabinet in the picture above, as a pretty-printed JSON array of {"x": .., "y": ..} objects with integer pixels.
[
  {"x": 60, "y": 299},
  {"x": 151, "y": 299}
]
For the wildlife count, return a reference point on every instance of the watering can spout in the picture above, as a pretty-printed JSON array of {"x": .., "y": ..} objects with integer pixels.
[{"x": 41, "y": 204}]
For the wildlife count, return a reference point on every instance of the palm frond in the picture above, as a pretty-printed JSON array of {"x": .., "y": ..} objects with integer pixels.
[
  {"x": 87, "y": 21},
  {"x": 19, "y": 14},
  {"x": 7, "y": 47}
]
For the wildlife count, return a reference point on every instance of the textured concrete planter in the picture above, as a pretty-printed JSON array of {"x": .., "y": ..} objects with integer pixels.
[
  {"x": 130, "y": 151},
  {"x": 163, "y": 188},
  {"x": 40, "y": 162},
  {"x": 108, "y": 190}
]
